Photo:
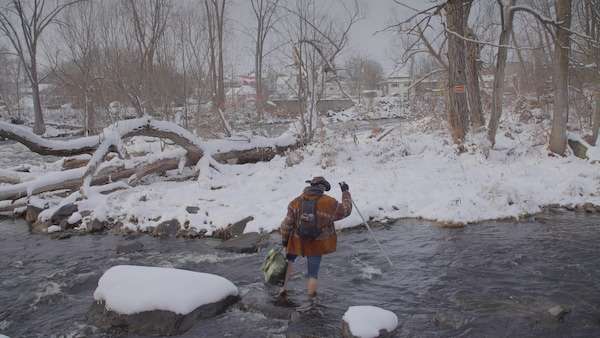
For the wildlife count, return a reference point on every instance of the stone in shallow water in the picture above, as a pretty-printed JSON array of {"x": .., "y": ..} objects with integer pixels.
[
  {"x": 167, "y": 228},
  {"x": 32, "y": 212},
  {"x": 125, "y": 248},
  {"x": 96, "y": 225},
  {"x": 257, "y": 298},
  {"x": 558, "y": 312},
  {"x": 156, "y": 322},
  {"x": 63, "y": 213},
  {"x": 319, "y": 322},
  {"x": 237, "y": 228},
  {"x": 157, "y": 301},
  {"x": 246, "y": 243}
]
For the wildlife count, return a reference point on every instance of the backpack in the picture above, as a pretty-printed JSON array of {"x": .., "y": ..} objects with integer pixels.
[{"x": 308, "y": 227}]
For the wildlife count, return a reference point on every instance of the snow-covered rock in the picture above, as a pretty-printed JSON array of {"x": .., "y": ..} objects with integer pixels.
[
  {"x": 63, "y": 213},
  {"x": 54, "y": 228},
  {"x": 74, "y": 219},
  {"x": 158, "y": 301},
  {"x": 368, "y": 322}
]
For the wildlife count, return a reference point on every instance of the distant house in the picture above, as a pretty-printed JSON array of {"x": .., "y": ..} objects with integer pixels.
[
  {"x": 241, "y": 97},
  {"x": 285, "y": 87},
  {"x": 332, "y": 89},
  {"x": 428, "y": 87},
  {"x": 396, "y": 84}
]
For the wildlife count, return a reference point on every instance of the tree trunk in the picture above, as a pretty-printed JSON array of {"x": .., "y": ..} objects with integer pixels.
[
  {"x": 90, "y": 116},
  {"x": 525, "y": 76},
  {"x": 473, "y": 90},
  {"x": 39, "y": 127},
  {"x": 498, "y": 90},
  {"x": 538, "y": 71},
  {"x": 457, "y": 100},
  {"x": 596, "y": 121},
  {"x": 258, "y": 74},
  {"x": 558, "y": 135},
  {"x": 221, "y": 79}
]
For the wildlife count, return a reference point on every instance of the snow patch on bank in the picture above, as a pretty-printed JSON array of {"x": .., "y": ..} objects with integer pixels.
[
  {"x": 128, "y": 289},
  {"x": 367, "y": 321}
]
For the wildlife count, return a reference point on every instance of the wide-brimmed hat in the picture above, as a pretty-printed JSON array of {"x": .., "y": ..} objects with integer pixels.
[{"x": 319, "y": 180}]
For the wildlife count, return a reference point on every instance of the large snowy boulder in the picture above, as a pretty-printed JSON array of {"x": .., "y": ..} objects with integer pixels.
[
  {"x": 158, "y": 301},
  {"x": 368, "y": 322}
]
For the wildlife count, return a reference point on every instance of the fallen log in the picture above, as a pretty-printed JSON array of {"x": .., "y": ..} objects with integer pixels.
[
  {"x": 88, "y": 145},
  {"x": 111, "y": 140},
  {"x": 254, "y": 155},
  {"x": 14, "y": 177},
  {"x": 42, "y": 146},
  {"x": 76, "y": 162},
  {"x": 7, "y": 208},
  {"x": 73, "y": 179}
]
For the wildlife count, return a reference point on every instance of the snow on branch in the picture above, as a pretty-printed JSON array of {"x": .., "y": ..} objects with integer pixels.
[
  {"x": 42, "y": 146},
  {"x": 546, "y": 21},
  {"x": 144, "y": 126},
  {"x": 425, "y": 77},
  {"x": 484, "y": 42}
]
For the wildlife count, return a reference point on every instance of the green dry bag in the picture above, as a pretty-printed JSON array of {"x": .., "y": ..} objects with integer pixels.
[{"x": 274, "y": 267}]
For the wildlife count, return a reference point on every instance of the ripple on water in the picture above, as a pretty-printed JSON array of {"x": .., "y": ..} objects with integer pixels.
[
  {"x": 179, "y": 259},
  {"x": 47, "y": 293},
  {"x": 4, "y": 324},
  {"x": 366, "y": 270}
]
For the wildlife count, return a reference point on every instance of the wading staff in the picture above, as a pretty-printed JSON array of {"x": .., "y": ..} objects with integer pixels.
[{"x": 372, "y": 234}]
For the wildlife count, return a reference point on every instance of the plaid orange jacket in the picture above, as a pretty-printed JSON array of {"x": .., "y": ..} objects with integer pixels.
[{"x": 328, "y": 211}]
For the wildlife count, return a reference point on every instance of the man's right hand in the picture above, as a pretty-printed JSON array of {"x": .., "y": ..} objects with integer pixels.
[{"x": 344, "y": 186}]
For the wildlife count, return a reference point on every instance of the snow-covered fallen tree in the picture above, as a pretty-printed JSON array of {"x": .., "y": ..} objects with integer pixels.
[
  {"x": 94, "y": 170},
  {"x": 44, "y": 146}
]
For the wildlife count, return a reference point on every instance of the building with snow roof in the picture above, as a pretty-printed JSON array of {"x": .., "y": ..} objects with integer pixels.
[{"x": 396, "y": 84}]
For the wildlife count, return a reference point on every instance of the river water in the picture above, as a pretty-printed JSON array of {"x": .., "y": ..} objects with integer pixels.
[{"x": 495, "y": 279}]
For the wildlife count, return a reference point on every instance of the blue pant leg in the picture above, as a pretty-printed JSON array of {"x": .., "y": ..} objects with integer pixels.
[{"x": 314, "y": 263}]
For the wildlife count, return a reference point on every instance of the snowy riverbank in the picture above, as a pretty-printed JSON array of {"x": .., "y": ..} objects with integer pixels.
[{"x": 408, "y": 173}]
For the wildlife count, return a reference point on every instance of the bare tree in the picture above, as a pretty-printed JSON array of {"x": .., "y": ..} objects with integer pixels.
[
  {"x": 558, "y": 135},
  {"x": 23, "y": 23},
  {"x": 506, "y": 15},
  {"x": 472, "y": 72},
  {"x": 149, "y": 20},
  {"x": 363, "y": 73},
  {"x": 215, "y": 17},
  {"x": 457, "y": 101},
  {"x": 264, "y": 11},
  {"x": 11, "y": 79},
  {"x": 79, "y": 72},
  {"x": 316, "y": 42}
]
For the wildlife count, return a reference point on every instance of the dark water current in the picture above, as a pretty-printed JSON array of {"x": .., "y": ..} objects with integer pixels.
[{"x": 495, "y": 279}]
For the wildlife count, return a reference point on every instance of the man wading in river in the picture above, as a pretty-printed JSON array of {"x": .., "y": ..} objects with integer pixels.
[{"x": 308, "y": 228}]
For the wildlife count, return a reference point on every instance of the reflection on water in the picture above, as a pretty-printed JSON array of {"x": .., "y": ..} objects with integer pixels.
[{"x": 486, "y": 280}]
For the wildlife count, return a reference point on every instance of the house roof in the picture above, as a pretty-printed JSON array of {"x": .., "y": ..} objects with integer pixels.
[{"x": 400, "y": 71}]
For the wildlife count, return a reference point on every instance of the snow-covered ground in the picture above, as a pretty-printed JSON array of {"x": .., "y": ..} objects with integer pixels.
[
  {"x": 373, "y": 109},
  {"x": 407, "y": 174},
  {"x": 414, "y": 171},
  {"x": 128, "y": 289}
]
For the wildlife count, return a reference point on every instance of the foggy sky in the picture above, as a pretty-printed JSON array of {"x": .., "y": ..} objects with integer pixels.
[{"x": 378, "y": 14}]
